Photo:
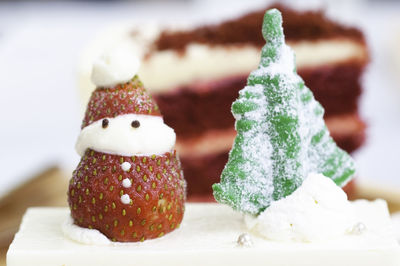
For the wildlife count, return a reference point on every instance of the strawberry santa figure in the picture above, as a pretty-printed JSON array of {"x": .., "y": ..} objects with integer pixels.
[{"x": 129, "y": 183}]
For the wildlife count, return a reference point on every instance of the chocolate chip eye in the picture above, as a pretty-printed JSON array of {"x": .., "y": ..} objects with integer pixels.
[
  {"x": 104, "y": 123},
  {"x": 135, "y": 124}
]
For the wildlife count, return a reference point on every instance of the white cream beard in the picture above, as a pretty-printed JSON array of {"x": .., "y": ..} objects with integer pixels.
[
  {"x": 119, "y": 137},
  {"x": 317, "y": 210}
]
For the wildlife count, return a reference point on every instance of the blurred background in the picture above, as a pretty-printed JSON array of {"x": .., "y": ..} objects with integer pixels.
[{"x": 46, "y": 48}]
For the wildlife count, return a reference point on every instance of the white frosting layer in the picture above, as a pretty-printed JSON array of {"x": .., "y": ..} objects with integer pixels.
[
  {"x": 200, "y": 62},
  {"x": 116, "y": 66},
  {"x": 317, "y": 210},
  {"x": 151, "y": 137},
  {"x": 204, "y": 62},
  {"x": 312, "y": 54}
]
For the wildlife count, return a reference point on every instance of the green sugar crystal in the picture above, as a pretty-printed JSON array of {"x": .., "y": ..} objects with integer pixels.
[{"x": 281, "y": 134}]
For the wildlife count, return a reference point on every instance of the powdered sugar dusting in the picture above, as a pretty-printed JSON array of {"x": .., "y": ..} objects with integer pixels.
[
  {"x": 284, "y": 65},
  {"x": 256, "y": 142}
]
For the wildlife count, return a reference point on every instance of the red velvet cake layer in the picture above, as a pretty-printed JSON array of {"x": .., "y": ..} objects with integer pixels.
[
  {"x": 309, "y": 25},
  {"x": 202, "y": 172},
  {"x": 336, "y": 87},
  {"x": 200, "y": 106},
  {"x": 203, "y": 158},
  {"x": 203, "y": 106}
]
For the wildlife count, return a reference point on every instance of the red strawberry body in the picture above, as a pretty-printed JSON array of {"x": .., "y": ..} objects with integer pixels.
[{"x": 156, "y": 194}]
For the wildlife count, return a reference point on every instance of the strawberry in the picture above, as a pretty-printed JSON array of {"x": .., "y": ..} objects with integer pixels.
[
  {"x": 128, "y": 198},
  {"x": 127, "y": 98}
]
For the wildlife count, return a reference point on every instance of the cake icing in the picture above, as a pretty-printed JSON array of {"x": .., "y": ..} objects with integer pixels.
[
  {"x": 152, "y": 137},
  {"x": 317, "y": 210}
]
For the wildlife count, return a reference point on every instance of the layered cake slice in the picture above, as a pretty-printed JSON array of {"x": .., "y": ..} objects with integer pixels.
[
  {"x": 214, "y": 61},
  {"x": 201, "y": 69},
  {"x": 282, "y": 182}
]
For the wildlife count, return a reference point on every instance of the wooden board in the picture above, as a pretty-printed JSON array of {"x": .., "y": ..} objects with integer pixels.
[
  {"x": 3, "y": 252},
  {"x": 47, "y": 189}
]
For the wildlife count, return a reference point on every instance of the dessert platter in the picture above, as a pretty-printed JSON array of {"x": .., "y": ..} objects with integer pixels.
[
  {"x": 280, "y": 197},
  {"x": 201, "y": 69}
]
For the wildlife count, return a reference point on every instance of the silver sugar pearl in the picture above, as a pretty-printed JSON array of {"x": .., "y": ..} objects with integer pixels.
[
  {"x": 244, "y": 240},
  {"x": 358, "y": 229}
]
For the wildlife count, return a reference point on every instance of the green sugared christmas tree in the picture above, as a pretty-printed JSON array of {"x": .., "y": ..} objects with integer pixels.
[{"x": 281, "y": 134}]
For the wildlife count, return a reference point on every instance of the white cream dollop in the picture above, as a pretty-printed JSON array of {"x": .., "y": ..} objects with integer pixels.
[
  {"x": 83, "y": 235},
  {"x": 119, "y": 137},
  {"x": 116, "y": 66},
  {"x": 317, "y": 210}
]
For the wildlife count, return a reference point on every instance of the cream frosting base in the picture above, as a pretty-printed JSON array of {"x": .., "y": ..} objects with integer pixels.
[{"x": 207, "y": 236}]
